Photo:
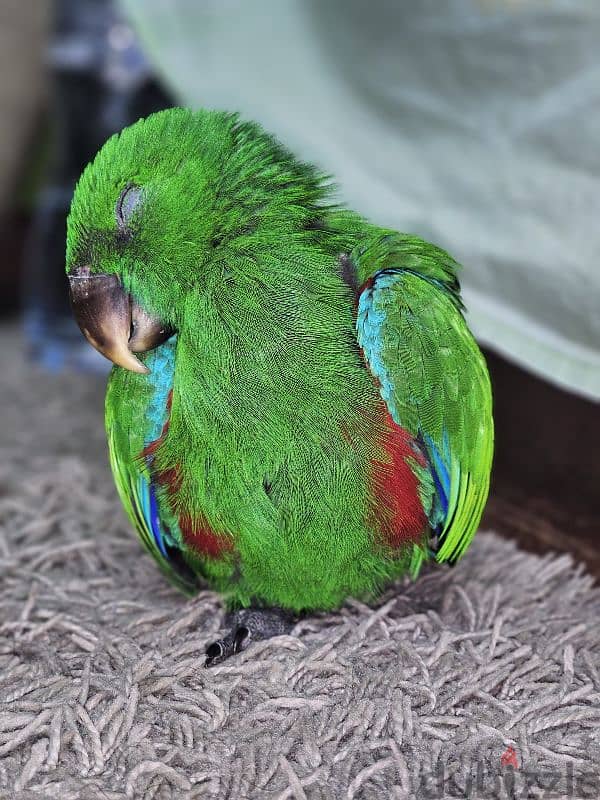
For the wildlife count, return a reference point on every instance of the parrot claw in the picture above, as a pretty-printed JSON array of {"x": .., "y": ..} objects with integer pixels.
[{"x": 247, "y": 625}]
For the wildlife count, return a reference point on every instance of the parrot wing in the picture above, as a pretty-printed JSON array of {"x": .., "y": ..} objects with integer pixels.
[
  {"x": 139, "y": 492},
  {"x": 431, "y": 373}
]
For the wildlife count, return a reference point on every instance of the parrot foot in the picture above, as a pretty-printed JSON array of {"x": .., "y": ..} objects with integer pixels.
[{"x": 248, "y": 625}]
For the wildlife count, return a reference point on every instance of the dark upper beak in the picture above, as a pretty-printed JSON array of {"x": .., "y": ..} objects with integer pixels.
[{"x": 111, "y": 321}]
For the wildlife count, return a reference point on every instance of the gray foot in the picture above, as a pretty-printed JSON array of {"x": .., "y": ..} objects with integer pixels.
[{"x": 245, "y": 626}]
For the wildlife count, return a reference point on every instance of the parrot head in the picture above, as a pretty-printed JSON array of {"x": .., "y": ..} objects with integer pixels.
[{"x": 143, "y": 221}]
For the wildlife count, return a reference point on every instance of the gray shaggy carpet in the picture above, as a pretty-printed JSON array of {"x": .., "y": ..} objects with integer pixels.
[{"x": 481, "y": 680}]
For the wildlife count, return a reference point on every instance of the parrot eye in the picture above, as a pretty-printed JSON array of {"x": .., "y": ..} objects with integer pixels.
[{"x": 127, "y": 204}]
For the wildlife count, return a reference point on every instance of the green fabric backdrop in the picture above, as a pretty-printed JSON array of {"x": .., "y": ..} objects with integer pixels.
[{"x": 475, "y": 124}]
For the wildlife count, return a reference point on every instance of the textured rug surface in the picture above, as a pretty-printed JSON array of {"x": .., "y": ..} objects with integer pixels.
[{"x": 478, "y": 681}]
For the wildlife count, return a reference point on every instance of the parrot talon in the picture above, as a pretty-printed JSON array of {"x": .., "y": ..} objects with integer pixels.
[{"x": 246, "y": 625}]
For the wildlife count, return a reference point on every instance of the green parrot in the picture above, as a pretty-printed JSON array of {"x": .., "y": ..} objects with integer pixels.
[{"x": 297, "y": 412}]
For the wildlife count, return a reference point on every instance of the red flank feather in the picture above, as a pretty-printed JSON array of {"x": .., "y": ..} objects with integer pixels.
[
  {"x": 402, "y": 517},
  {"x": 199, "y": 537},
  {"x": 196, "y": 533}
]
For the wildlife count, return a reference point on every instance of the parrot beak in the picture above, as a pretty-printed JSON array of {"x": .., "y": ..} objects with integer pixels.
[{"x": 111, "y": 321}]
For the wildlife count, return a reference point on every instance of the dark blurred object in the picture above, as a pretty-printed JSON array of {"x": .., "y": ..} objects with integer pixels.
[
  {"x": 546, "y": 468},
  {"x": 100, "y": 82},
  {"x": 23, "y": 34}
]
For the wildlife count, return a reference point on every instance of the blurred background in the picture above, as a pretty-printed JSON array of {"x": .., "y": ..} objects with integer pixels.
[{"x": 474, "y": 123}]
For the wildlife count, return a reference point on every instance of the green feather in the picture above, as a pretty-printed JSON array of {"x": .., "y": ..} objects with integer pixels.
[{"x": 275, "y": 422}]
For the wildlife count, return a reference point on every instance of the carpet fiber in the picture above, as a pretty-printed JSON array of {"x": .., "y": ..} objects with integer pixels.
[{"x": 485, "y": 674}]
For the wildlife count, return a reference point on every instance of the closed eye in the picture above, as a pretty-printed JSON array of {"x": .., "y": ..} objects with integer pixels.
[{"x": 127, "y": 204}]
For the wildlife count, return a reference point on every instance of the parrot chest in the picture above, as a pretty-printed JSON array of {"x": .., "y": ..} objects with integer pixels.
[{"x": 267, "y": 470}]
